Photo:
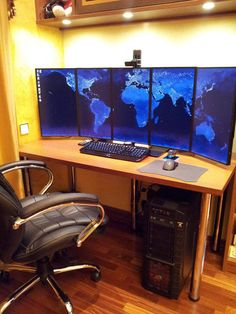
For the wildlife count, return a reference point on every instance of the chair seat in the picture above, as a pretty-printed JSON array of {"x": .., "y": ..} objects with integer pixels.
[
  {"x": 36, "y": 198},
  {"x": 53, "y": 231},
  {"x": 47, "y": 224}
]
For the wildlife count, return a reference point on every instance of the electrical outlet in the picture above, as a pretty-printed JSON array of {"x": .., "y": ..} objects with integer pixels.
[{"x": 24, "y": 128}]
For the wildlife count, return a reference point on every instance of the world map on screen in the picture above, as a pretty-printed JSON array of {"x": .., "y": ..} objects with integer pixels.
[
  {"x": 176, "y": 83},
  {"x": 131, "y": 92},
  {"x": 214, "y": 107},
  {"x": 68, "y": 74},
  {"x": 171, "y": 113},
  {"x": 94, "y": 100},
  {"x": 136, "y": 92},
  {"x": 57, "y": 102}
]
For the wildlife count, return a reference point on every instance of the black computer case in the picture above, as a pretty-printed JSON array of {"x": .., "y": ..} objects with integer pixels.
[{"x": 170, "y": 230}]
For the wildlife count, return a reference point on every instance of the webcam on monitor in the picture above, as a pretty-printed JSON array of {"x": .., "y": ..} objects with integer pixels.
[{"x": 136, "y": 61}]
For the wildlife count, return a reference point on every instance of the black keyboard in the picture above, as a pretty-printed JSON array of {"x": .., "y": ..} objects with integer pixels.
[{"x": 116, "y": 151}]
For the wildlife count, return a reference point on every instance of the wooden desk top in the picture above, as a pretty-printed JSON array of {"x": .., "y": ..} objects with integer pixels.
[{"x": 66, "y": 151}]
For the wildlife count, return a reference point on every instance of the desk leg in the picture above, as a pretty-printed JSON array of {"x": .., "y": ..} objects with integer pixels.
[
  {"x": 72, "y": 178},
  {"x": 217, "y": 224},
  {"x": 194, "y": 294},
  {"x": 133, "y": 203},
  {"x": 26, "y": 181}
]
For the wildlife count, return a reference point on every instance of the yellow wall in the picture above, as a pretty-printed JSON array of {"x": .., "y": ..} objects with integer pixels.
[
  {"x": 32, "y": 46},
  {"x": 209, "y": 41}
]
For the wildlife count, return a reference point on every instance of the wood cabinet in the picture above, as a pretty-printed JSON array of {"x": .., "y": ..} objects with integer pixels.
[{"x": 101, "y": 12}]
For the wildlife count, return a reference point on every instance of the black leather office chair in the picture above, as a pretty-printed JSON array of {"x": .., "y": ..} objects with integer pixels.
[{"x": 32, "y": 230}]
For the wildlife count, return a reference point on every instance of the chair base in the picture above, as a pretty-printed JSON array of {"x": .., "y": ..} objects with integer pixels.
[{"x": 45, "y": 273}]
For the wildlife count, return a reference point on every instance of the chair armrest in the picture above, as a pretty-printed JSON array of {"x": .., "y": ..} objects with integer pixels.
[
  {"x": 20, "y": 164},
  {"x": 54, "y": 201},
  {"x": 29, "y": 164}
]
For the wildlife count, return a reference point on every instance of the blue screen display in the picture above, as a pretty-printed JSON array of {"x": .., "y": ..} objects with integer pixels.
[
  {"x": 94, "y": 88},
  {"x": 214, "y": 111},
  {"x": 131, "y": 92},
  {"x": 171, "y": 107},
  {"x": 187, "y": 108},
  {"x": 57, "y": 102}
]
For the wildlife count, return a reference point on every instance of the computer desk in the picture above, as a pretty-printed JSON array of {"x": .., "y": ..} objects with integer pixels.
[{"x": 213, "y": 182}]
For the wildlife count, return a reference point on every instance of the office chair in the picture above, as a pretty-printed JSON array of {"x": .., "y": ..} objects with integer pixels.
[{"x": 34, "y": 229}]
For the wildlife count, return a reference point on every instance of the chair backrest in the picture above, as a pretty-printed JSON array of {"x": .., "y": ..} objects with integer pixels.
[{"x": 10, "y": 208}]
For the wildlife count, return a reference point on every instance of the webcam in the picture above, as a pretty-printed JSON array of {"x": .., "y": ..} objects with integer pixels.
[{"x": 136, "y": 61}]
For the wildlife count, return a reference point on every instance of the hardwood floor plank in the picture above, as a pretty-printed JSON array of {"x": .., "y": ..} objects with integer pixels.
[{"x": 119, "y": 253}]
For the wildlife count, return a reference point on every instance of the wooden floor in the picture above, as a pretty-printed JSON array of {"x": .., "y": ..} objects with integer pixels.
[{"x": 119, "y": 252}]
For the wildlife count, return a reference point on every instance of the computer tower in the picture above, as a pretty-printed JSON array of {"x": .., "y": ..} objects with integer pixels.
[{"x": 171, "y": 225}]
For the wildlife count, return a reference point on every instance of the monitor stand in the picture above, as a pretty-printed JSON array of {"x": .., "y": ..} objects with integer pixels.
[{"x": 157, "y": 151}]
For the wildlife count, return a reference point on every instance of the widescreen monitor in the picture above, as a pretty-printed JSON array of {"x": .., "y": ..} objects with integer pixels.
[
  {"x": 172, "y": 107},
  {"x": 214, "y": 113},
  {"x": 94, "y": 103},
  {"x": 56, "y": 89},
  {"x": 130, "y": 98}
]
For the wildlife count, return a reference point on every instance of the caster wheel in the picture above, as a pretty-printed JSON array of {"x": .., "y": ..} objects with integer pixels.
[{"x": 96, "y": 275}]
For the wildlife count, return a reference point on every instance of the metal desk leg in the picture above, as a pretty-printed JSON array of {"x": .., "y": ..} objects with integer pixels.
[
  {"x": 194, "y": 294},
  {"x": 217, "y": 224},
  {"x": 133, "y": 203},
  {"x": 72, "y": 178},
  {"x": 26, "y": 181}
]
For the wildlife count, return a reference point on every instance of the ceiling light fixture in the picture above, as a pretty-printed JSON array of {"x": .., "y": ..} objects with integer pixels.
[
  {"x": 66, "y": 22},
  {"x": 128, "y": 15},
  {"x": 209, "y": 5}
]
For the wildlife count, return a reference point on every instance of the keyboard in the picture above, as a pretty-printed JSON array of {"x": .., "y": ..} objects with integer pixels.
[{"x": 116, "y": 151}]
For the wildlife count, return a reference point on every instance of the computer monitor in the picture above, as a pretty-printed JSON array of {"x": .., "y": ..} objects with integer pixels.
[
  {"x": 171, "y": 107},
  {"x": 94, "y": 103},
  {"x": 214, "y": 113},
  {"x": 56, "y": 90},
  {"x": 131, "y": 93}
]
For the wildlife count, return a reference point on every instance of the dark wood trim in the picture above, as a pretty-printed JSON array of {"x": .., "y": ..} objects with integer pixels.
[{"x": 91, "y": 6}]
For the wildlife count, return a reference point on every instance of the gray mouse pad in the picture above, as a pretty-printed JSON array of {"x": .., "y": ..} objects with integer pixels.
[{"x": 182, "y": 172}]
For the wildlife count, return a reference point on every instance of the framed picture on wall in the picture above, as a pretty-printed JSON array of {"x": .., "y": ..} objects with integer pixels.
[{"x": 92, "y": 6}]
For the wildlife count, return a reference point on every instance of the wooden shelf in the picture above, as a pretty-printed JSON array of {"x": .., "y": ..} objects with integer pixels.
[{"x": 167, "y": 10}]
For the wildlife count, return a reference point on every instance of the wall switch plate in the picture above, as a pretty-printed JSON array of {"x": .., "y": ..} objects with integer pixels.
[{"x": 24, "y": 128}]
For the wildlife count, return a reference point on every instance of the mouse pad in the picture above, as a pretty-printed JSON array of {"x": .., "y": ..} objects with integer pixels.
[{"x": 182, "y": 172}]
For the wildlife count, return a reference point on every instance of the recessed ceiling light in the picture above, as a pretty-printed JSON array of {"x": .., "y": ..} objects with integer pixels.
[
  {"x": 128, "y": 15},
  {"x": 209, "y": 5},
  {"x": 66, "y": 22}
]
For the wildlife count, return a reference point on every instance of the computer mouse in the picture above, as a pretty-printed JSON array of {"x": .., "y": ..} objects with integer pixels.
[{"x": 169, "y": 164}]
